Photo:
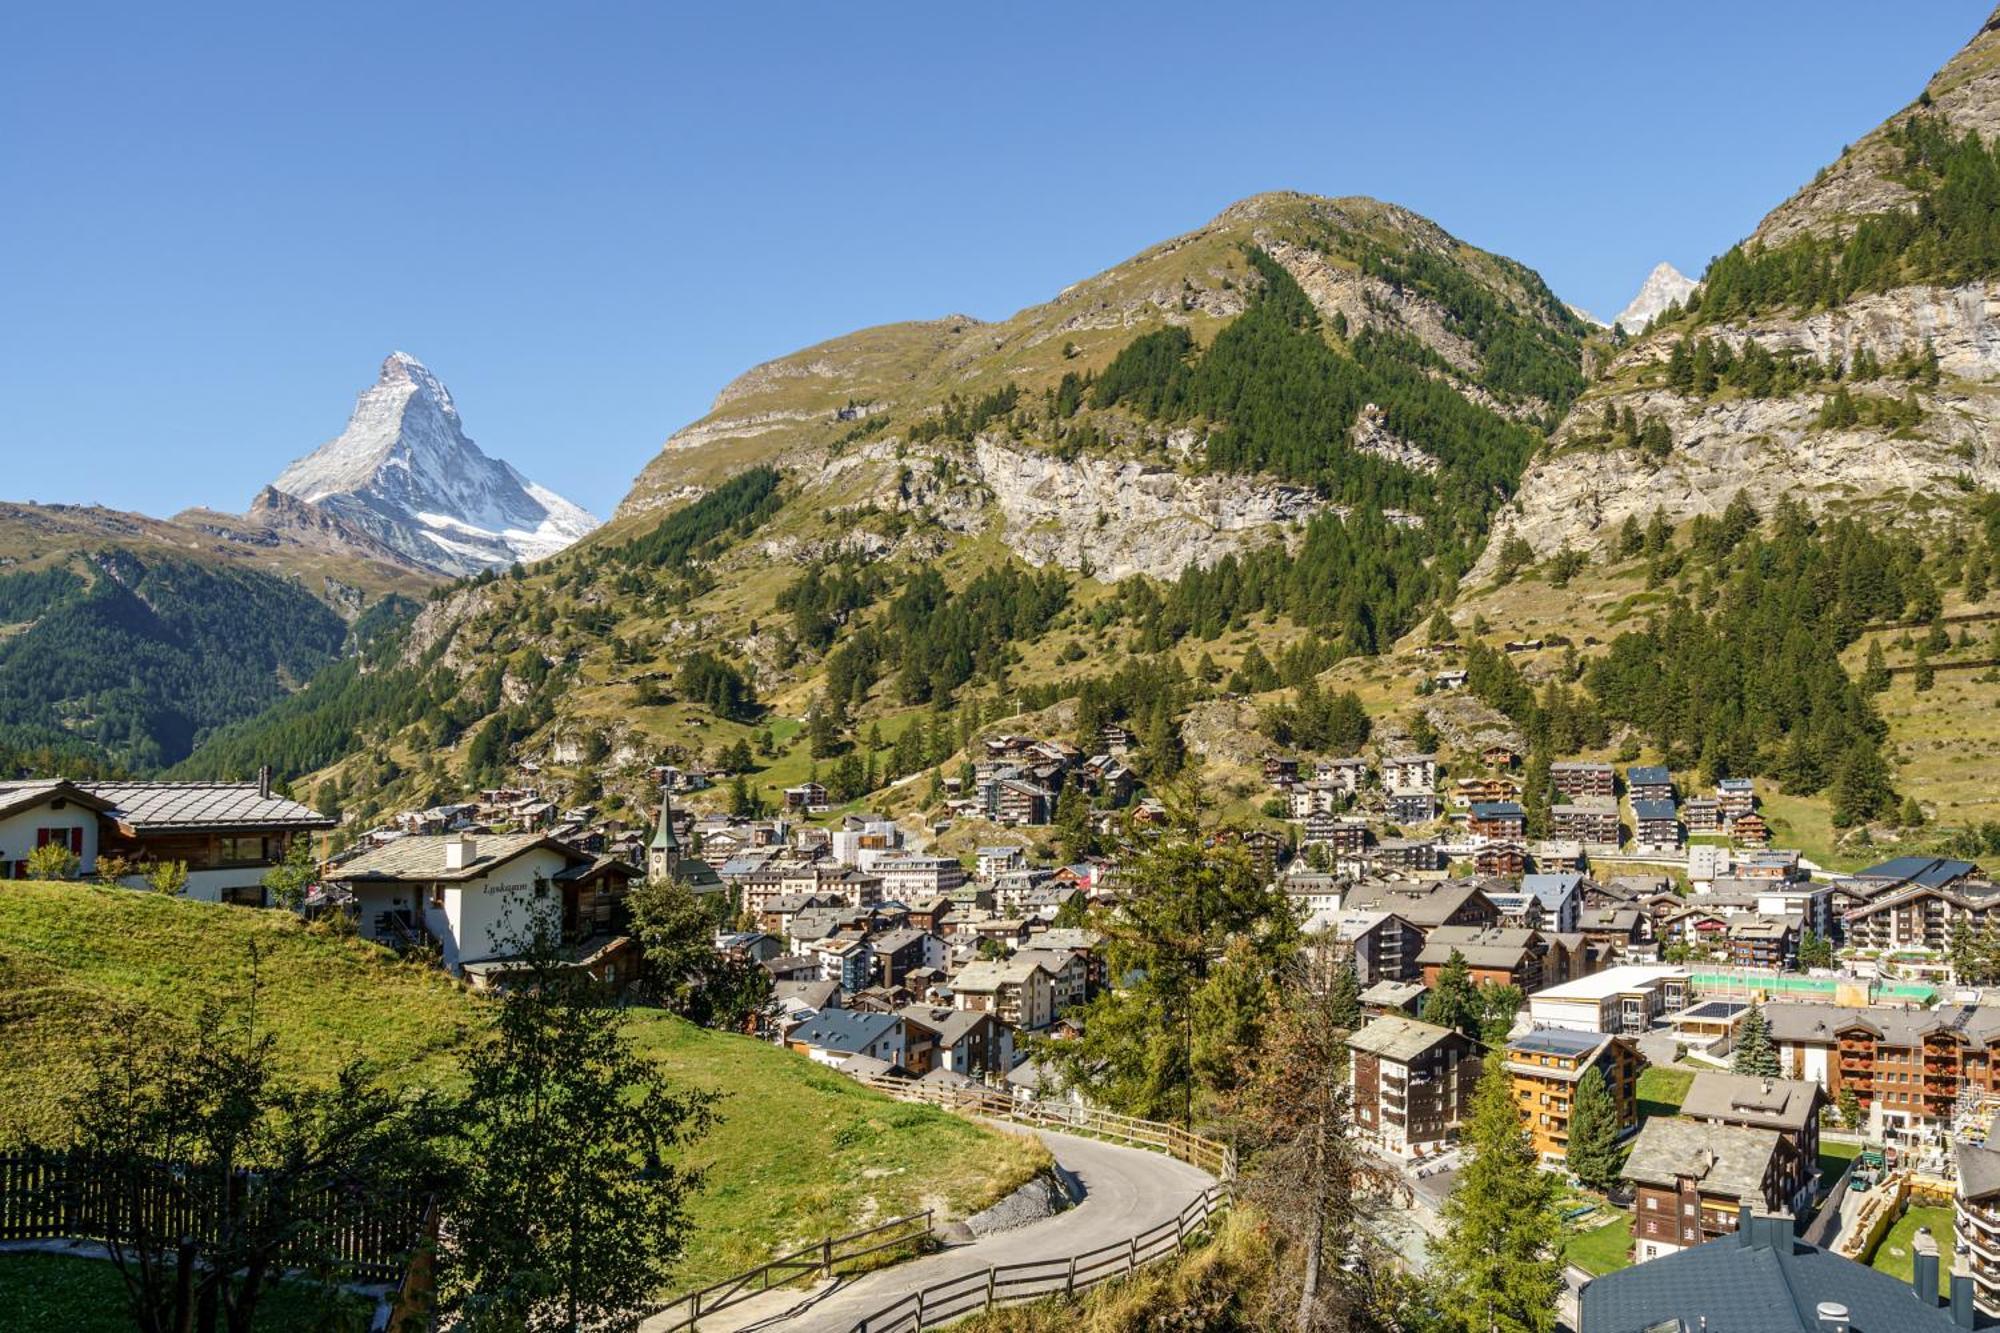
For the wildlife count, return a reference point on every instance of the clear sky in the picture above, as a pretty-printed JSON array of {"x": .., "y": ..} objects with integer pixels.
[{"x": 587, "y": 217}]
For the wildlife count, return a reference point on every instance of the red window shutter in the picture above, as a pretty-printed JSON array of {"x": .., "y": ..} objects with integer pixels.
[
  {"x": 42, "y": 836},
  {"x": 76, "y": 841}
]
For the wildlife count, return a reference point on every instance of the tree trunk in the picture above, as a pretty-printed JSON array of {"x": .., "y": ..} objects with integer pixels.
[{"x": 1314, "y": 1232}]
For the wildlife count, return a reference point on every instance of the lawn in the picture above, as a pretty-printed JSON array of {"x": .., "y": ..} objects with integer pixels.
[
  {"x": 800, "y": 1151},
  {"x": 1601, "y": 1249},
  {"x": 1893, "y": 1255},
  {"x": 78, "y": 1295},
  {"x": 1834, "y": 1157},
  {"x": 1662, "y": 1088}
]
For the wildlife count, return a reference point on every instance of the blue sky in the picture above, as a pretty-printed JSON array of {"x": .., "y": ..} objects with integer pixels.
[{"x": 588, "y": 217}]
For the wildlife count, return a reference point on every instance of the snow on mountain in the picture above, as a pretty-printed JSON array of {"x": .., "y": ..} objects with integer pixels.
[
  {"x": 405, "y": 472},
  {"x": 1663, "y": 286}
]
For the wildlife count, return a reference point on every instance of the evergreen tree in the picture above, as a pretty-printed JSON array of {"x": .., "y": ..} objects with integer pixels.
[
  {"x": 1755, "y": 1052},
  {"x": 1851, "y": 1115},
  {"x": 1343, "y": 998},
  {"x": 1861, "y": 789},
  {"x": 1453, "y": 1003},
  {"x": 1594, "y": 1158},
  {"x": 1498, "y": 1257},
  {"x": 1875, "y": 675}
]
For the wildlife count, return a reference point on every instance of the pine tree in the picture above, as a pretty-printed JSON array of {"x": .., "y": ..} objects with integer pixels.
[
  {"x": 1755, "y": 1054},
  {"x": 1861, "y": 788},
  {"x": 1343, "y": 996},
  {"x": 1453, "y": 1002},
  {"x": 1850, "y": 1109},
  {"x": 1497, "y": 1258},
  {"x": 1594, "y": 1158},
  {"x": 1875, "y": 675}
]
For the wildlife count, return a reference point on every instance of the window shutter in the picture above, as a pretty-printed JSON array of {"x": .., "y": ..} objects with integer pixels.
[
  {"x": 42, "y": 837},
  {"x": 76, "y": 841}
]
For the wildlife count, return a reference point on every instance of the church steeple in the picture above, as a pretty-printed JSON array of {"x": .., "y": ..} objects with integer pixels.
[{"x": 663, "y": 856}]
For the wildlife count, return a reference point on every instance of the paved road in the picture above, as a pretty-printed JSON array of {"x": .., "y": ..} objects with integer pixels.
[{"x": 1126, "y": 1191}]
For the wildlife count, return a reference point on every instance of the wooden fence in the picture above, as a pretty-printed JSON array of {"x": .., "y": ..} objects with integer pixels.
[
  {"x": 60, "y": 1196},
  {"x": 1017, "y": 1284},
  {"x": 820, "y": 1259},
  {"x": 1218, "y": 1159}
]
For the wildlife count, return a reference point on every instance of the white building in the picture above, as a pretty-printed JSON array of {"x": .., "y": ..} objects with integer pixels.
[{"x": 1625, "y": 1000}]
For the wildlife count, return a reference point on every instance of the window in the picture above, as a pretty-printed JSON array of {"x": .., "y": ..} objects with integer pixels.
[
  {"x": 245, "y": 849},
  {"x": 244, "y": 895},
  {"x": 437, "y": 896},
  {"x": 71, "y": 838}
]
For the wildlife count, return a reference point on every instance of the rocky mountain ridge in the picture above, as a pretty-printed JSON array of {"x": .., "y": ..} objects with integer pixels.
[{"x": 1664, "y": 286}]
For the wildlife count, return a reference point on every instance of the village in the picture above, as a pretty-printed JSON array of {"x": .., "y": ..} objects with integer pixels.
[{"x": 1781, "y": 1046}]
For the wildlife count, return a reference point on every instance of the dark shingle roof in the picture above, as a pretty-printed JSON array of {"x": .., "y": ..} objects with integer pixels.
[
  {"x": 423, "y": 857},
  {"x": 1759, "y": 1280},
  {"x": 1647, "y": 775},
  {"x": 158, "y": 806},
  {"x": 843, "y": 1029},
  {"x": 1978, "y": 1171}
]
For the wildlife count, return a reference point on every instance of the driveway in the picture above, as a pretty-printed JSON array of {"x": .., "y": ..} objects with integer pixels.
[{"x": 1126, "y": 1191}]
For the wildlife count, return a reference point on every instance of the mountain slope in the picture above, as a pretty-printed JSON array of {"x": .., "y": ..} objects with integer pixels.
[
  {"x": 405, "y": 473},
  {"x": 1302, "y": 412},
  {"x": 1846, "y": 354}
]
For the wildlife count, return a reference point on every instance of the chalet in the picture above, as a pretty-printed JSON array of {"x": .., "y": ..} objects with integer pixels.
[
  {"x": 961, "y": 1041},
  {"x": 845, "y": 957},
  {"x": 1413, "y": 807},
  {"x": 1306, "y": 799},
  {"x": 1617, "y": 931},
  {"x": 1498, "y": 821},
  {"x": 1115, "y": 739},
  {"x": 1499, "y": 756},
  {"x": 1348, "y": 776},
  {"x": 1427, "y": 906},
  {"x": 833, "y": 1036},
  {"x": 1579, "y": 778},
  {"x": 227, "y": 834},
  {"x": 1790, "y": 1106},
  {"x": 1557, "y": 855},
  {"x": 1656, "y": 826},
  {"x": 1069, "y": 975},
  {"x": 1928, "y": 872},
  {"x": 1311, "y": 892},
  {"x": 1649, "y": 782},
  {"x": 1021, "y": 994},
  {"x": 1496, "y": 955},
  {"x": 1281, "y": 770},
  {"x": 1750, "y": 831},
  {"x": 1412, "y": 1083},
  {"x": 1391, "y": 999},
  {"x": 1591, "y": 820},
  {"x": 1451, "y": 678},
  {"x": 807, "y": 798},
  {"x": 1417, "y": 855},
  {"x": 1338, "y": 835},
  {"x": 1546, "y": 1064},
  {"x": 1703, "y": 814},
  {"x": 1475, "y": 791},
  {"x": 1909, "y": 1068},
  {"x": 1405, "y": 772},
  {"x": 1693, "y": 1181},
  {"x": 1019, "y": 802},
  {"x": 1976, "y": 1221},
  {"x": 1919, "y": 916},
  {"x": 1767, "y": 941},
  {"x": 478, "y": 898},
  {"x": 1500, "y": 858},
  {"x": 1381, "y": 946},
  {"x": 1735, "y": 797},
  {"x": 899, "y": 952}
]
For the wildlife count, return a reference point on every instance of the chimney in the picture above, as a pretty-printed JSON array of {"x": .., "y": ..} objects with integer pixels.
[
  {"x": 1832, "y": 1317},
  {"x": 1924, "y": 1266},
  {"x": 1963, "y": 1312},
  {"x": 264, "y": 783},
  {"x": 1746, "y": 1229},
  {"x": 458, "y": 852}
]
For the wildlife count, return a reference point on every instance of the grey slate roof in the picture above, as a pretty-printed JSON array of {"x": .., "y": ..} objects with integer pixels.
[
  {"x": 1773, "y": 1103},
  {"x": 1898, "y": 1026},
  {"x": 150, "y": 807},
  {"x": 1396, "y": 1039},
  {"x": 843, "y": 1029},
  {"x": 421, "y": 858},
  {"x": 1760, "y": 1280},
  {"x": 33, "y": 791},
  {"x": 1978, "y": 1171},
  {"x": 1726, "y": 1160}
]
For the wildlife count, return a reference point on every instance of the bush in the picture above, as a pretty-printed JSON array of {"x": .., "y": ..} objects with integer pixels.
[{"x": 52, "y": 860}]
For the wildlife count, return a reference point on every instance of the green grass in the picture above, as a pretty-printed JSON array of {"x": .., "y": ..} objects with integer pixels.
[
  {"x": 1834, "y": 1157},
  {"x": 800, "y": 1150},
  {"x": 1662, "y": 1089},
  {"x": 1602, "y": 1249},
  {"x": 1893, "y": 1255},
  {"x": 79, "y": 1295}
]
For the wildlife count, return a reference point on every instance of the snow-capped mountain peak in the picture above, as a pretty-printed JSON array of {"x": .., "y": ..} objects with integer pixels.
[
  {"x": 406, "y": 472},
  {"x": 1663, "y": 286}
]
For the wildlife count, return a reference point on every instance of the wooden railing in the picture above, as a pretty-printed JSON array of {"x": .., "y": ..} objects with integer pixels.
[
  {"x": 61, "y": 1196},
  {"x": 1218, "y": 1159},
  {"x": 820, "y": 1259},
  {"x": 1017, "y": 1284}
]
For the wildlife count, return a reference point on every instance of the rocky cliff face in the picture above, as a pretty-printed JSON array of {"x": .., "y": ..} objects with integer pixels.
[
  {"x": 1578, "y": 492},
  {"x": 405, "y": 473}
]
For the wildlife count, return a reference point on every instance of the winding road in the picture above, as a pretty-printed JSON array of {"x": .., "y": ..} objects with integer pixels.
[{"x": 1125, "y": 1191}]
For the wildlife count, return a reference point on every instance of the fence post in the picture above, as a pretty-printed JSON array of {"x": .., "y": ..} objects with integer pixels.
[
  {"x": 920, "y": 1310},
  {"x": 1069, "y": 1289},
  {"x": 991, "y": 1274},
  {"x": 1132, "y": 1257},
  {"x": 826, "y": 1256}
]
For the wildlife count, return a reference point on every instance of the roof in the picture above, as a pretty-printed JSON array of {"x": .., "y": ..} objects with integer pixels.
[
  {"x": 1394, "y": 994},
  {"x": 1929, "y": 871},
  {"x": 1648, "y": 775},
  {"x": 1726, "y": 1160},
  {"x": 147, "y": 807},
  {"x": 1775, "y": 1103},
  {"x": 1611, "y": 981},
  {"x": 1758, "y": 1279},
  {"x": 1893, "y": 1025},
  {"x": 1558, "y": 1041},
  {"x": 1653, "y": 810},
  {"x": 421, "y": 857},
  {"x": 1497, "y": 810},
  {"x": 1486, "y": 947},
  {"x": 32, "y": 792},
  {"x": 1551, "y": 889},
  {"x": 1978, "y": 1171},
  {"x": 843, "y": 1029},
  {"x": 1399, "y": 1040}
]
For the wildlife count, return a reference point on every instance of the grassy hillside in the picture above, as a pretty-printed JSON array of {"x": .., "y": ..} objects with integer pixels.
[{"x": 799, "y": 1149}]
